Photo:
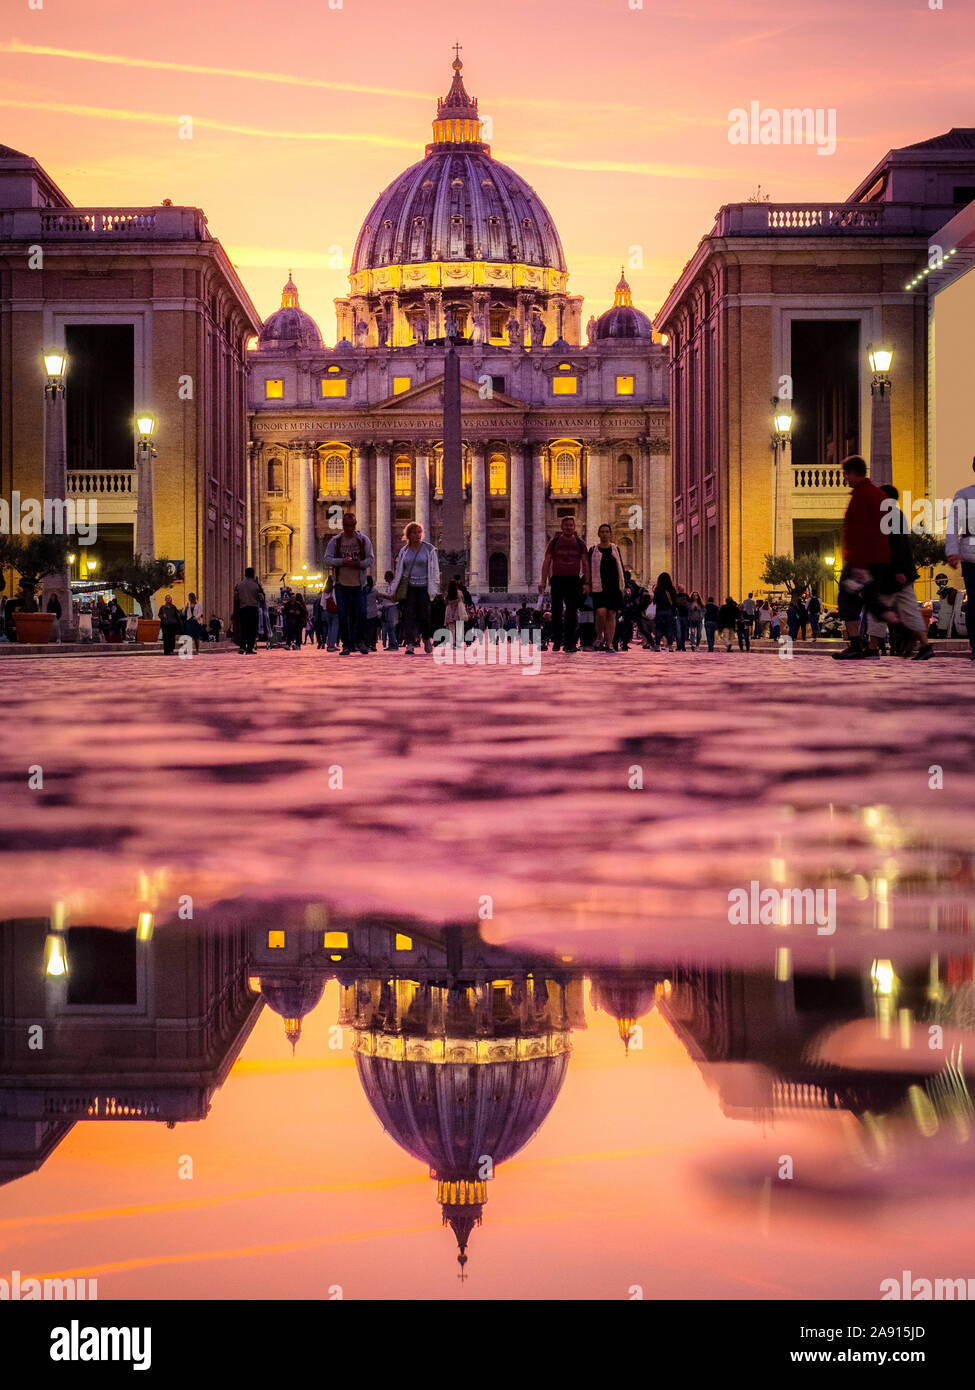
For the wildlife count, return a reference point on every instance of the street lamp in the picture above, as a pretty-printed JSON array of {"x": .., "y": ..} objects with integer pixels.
[
  {"x": 145, "y": 532},
  {"x": 781, "y": 498},
  {"x": 55, "y": 364},
  {"x": 881, "y": 456}
]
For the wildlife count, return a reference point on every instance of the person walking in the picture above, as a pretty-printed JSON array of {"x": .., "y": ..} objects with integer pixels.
[
  {"x": 349, "y": 555},
  {"x": 743, "y": 627},
  {"x": 248, "y": 601},
  {"x": 749, "y": 609},
  {"x": 295, "y": 617},
  {"x": 960, "y": 548},
  {"x": 567, "y": 563},
  {"x": 331, "y": 623},
  {"x": 814, "y": 610},
  {"x": 728, "y": 622},
  {"x": 867, "y": 573},
  {"x": 193, "y": 620},
  {"x": 665, "y": 607},
  {"x": 711, "y": 616},
  {"x": 455, "y": 611},
  {"x": 681, "y": 610},
  {"x": 372, "y": 615},
  {"x": 763, "y": 622},
  {"x": 417, "y": 577},
  {"x": 608, "y": 583},
  {"x": 904, "y": 600},
  {"x": 695, "y": 616},
  {"x": 388, "y": 612},
  {"x": 170, "y": 624}
]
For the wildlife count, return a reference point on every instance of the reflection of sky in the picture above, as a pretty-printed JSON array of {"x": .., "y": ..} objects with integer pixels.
[
  {"x": 296, "y": 1189},
  {"x": 622, "y": 123}
]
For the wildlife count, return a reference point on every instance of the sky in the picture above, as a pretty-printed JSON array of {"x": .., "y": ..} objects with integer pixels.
[
  {"x": 635, "y": 1184},
  {"x": 616, "y": 111}
]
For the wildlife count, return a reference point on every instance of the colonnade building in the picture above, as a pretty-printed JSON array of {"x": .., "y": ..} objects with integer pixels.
[{"x": 459, "y": 246}]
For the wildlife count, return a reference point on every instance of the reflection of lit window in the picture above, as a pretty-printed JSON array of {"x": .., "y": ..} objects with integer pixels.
[
  {"x": 565, "y": 473},
  {"x": 563, "y": 386},
  {"x": 336, "y": 940},
  {"x": 403, "y": 943},
  {"x": 335, "y": 476},
  {"x": 400, "y": 384},
  {"x": 275, "y": 940},
  {"x": 624, "y": 386},
  {"x": 403, "y": 477},
  {"x": 498, "y": 475},
  {"x": 333, "y": 386},
  {"x": 273, "y": 389}
]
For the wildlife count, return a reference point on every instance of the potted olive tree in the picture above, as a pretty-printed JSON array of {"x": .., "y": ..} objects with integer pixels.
[
  {"x": 140, "y": 579},
  {"x": 34, "y": 558}
]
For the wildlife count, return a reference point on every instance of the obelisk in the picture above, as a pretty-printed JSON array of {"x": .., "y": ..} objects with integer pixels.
[{"x": 454, "y": 556}]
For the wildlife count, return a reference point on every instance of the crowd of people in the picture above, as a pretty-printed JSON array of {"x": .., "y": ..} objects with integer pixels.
[{"x": 587, "y": 599}]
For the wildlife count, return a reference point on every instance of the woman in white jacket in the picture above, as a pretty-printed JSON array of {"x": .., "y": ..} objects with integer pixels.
[{"x": 418, "y": 564}]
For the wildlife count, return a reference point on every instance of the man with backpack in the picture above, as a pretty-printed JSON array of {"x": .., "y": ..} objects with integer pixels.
[{"x": 567, "y": 563}]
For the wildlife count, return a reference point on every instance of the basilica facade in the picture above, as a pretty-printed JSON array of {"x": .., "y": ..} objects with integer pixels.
[{"x": 459, "y": 247}]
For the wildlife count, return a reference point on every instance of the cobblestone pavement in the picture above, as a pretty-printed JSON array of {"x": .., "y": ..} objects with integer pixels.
[{"x": 603, "y": 805}]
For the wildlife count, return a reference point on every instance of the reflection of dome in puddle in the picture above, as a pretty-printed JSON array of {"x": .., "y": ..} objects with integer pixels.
[
  {"x": 462, "y": 1074},
  {"x": 625, "y": 998}
]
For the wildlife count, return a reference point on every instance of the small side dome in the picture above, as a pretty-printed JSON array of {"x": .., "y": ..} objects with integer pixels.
[
  {"x": 289, "y": 326},
  {"x": 623, "y": 321}
]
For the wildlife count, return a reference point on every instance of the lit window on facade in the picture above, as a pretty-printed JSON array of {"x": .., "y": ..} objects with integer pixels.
[
  {"x": 563, "y": 386},
  {"x": 403, "y": 477},
  {"x": 334, "y": 386},
  {"x": 498, "y": 475},
  {"x": 275, "y": 940},
  {"x": 624, "y": 386},
  {"x": 565, "y": 474},
  {"x": 401, "y": 384},
  {"x": 335, "y": 476},
  {"x": 273, "y": 389}
]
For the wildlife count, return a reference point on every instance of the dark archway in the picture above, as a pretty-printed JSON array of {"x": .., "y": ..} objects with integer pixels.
[{"x": 498, "y": 573}]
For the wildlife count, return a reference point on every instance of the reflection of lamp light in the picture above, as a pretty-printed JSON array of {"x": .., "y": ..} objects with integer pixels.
[
  {"x": 882, "y": 974},
  {"x": 143, "y": 930},
  {"x": 55, "y": 956},
  {"x": 830, "y": 560}
]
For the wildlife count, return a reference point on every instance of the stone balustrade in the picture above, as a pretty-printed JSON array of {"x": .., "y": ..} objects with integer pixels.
[{"x": 102, "y": 482}]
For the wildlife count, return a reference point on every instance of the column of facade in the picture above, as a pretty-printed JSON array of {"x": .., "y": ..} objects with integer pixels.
[
  {"x": 384, "y": 518},
  {"x": 782, "y": 502},
  {"x": 421, "y": 486},
  {"x": 658, "y": 498},
  {"x": 308, "y": 541},
  {"x": 594, "y": 493},
  {"x": 517, "y": 575},
  {"x": 539, "y": 500},
  {"x": 363, "y": 510},
  {"x": 255, "y": 491},
  {"x": 478, "y": 575}
]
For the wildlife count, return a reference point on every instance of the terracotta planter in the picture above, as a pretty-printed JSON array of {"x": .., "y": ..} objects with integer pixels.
[
  {"x": 147, "y": 630},
  {"x": 34, "y": 627}
]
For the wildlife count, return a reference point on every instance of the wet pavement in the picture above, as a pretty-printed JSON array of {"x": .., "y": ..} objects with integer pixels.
[{"x": 647, "y": 897}]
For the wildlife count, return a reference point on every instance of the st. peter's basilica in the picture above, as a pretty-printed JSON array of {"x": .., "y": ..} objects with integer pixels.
[{"x": 459, "y": 246}]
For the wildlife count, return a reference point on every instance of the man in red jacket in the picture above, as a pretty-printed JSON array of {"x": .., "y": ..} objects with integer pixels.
[{"x": 867, "y": 579}]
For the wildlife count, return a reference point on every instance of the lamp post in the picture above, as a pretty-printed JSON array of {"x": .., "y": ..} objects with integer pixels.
[
  {"x": 56, "y": 468},
  {"x": 145, "y": 539},
  {"x": 881, "y": 455},
  {"x": 781, "y": 479}
]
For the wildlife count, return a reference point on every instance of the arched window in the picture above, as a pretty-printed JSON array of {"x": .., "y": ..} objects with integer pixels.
[
  {"x": 403, "y": 477},
  {"x": 498, "y": 475},
  {"x": 624, "y": 473},
  {"x": 335, "y": 476},
  {"x": 275, "y": 556},
  {"x": 565, "y": 474},
  {"x": 275, "y": 475}
]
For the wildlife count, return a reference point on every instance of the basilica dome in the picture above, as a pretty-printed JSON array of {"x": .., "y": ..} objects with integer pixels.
[
  {"x": 458, "y": 204},
  {"x": 623, "y": 321},
  {"x": 293, "y": 999},
  {"x": 289, "y": 326}
]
